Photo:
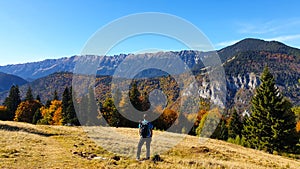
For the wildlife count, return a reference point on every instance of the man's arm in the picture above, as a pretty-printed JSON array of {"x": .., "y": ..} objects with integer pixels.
[
  {"x": 139, "y": 129},
  {"x": 151, "y": 129}
]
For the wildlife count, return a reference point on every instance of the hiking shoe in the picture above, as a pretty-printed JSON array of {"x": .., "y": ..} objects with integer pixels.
[{"x": 137, "y": 159}]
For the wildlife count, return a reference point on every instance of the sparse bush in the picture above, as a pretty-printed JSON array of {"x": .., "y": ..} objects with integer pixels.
[
  {"x": 231, "y": 140},
  {"x": 243, "y": 142},
  {"x": 238, "y": 140},
  {"x": 183, "y": 130},
  {"x": 208, "y": 122}
]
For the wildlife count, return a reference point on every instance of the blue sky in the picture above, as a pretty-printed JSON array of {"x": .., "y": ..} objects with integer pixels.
[{"x": 34, "y": 30}]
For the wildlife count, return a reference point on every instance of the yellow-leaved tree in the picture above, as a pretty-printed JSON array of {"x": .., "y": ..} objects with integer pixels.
[{"x": 53, "y": 114}]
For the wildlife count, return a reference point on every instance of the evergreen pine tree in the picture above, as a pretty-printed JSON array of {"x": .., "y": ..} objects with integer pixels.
[
  {"x": 134, "y": 96},
  {"x": 48, "y": 103},
  {"x": 271, "y": 126},
  {"x": 68, "y": 110},
  {"x": 224, "y": 131},
  {"x": 37, "y": 116},
  {"x": 55, "y": 96},
  {"x": 83, "y": 109},
  {"x": 117, "y": 98},
  {"x": 92, "y": 109},
  {"x": 221, "y": 131},
  {"x": 144, "y": 102},
  {"x": 140, "y": 101},
  {"x": 65, "y": 105},
  {"x": 12, "y": 102},
  {"x": 71, "y": 110},
  {"x": 235, "y": 125},
  {"x": 130, "y": 113},
  {"x": 38, "y": 98},
  {"x": 29, "y": 96}
]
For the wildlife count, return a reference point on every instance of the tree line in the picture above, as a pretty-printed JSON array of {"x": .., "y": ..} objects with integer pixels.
[
  {"x": 272, "y": 125},
  {"x": 31, "y": 110}
]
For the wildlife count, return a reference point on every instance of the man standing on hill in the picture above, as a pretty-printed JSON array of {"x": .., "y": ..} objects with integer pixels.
[{"x": 145, "y": 132}]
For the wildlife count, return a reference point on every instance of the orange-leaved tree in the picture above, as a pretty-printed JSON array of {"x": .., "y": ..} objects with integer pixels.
[
  {"x": 166, "y": 119},
  {"x": 26, "y": 110},
  {"x": 298, "y": 126}
]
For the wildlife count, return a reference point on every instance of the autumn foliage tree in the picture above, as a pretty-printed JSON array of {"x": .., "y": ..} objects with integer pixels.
[
  {"x": 209, "y": 123},
  {"x": 204, "y": 106},
  {"x": 298, "y": 127},
  {"x": 53, "y": 114},
  {"x": 110, "y": 112},
  {"x": 166, "y": 119},
  {"x": 26, "y": 111},
  {"x": 296, "y": 111},
  {"x": 124, "y": 106}
]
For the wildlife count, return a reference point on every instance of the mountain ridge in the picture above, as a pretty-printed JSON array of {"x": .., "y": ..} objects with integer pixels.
[
  {"x": 242, "y": 62},
  {"x": 35, "y": 70},
  {"x": 252, "y": 44}
]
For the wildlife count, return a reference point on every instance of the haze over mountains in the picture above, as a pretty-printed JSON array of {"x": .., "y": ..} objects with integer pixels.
[
  {"x": 243, "y": 62},
  {"x": 7, "y": 80}
]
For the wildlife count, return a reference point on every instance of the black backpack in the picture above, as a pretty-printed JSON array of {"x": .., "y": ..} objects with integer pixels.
[{"x": 144, "y": 129}]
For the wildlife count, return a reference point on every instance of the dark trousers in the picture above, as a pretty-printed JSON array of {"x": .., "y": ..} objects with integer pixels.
[{"x": 141, "y": 143}]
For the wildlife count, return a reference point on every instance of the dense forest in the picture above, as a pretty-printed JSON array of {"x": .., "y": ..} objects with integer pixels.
[{"x": 273, "y": 124}]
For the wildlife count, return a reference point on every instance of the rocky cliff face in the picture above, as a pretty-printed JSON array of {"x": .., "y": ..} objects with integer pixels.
[
  {"x": 249, "y": 81},
  {"x": 239, "y": 90}
]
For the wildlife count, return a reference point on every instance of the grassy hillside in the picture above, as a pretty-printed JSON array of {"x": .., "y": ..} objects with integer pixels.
[{"x": 28, "y": 146}]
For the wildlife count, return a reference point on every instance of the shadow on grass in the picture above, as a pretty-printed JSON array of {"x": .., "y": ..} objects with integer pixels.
[{"x": 28, "y": 130}]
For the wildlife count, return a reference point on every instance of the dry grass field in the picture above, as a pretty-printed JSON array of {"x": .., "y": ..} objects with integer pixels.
[{"x": 28, "y": 146}]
